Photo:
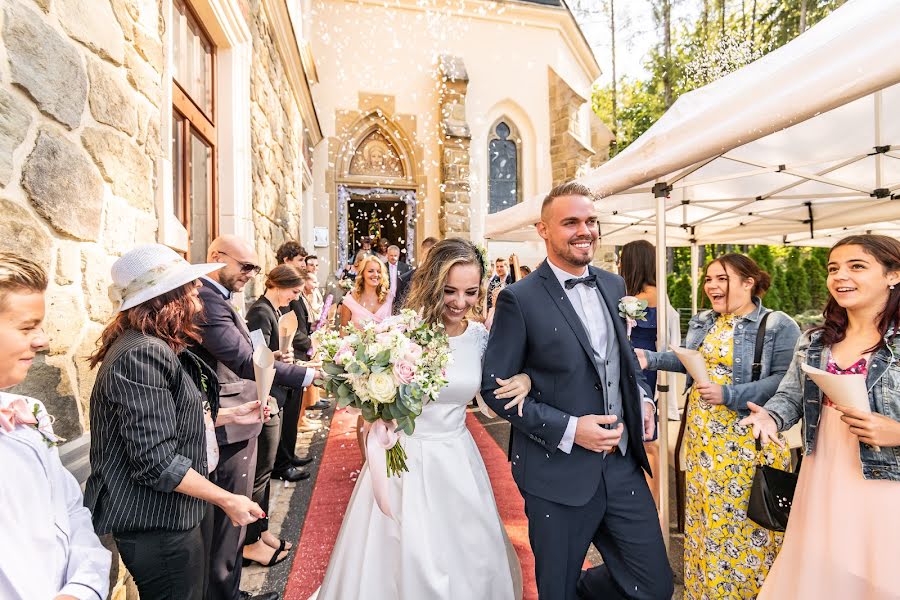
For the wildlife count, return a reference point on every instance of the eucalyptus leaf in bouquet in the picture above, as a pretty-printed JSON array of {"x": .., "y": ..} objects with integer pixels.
[{"x": 386, "y": 372}]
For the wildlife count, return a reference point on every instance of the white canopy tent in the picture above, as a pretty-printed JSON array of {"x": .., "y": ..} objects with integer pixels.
[
  {"x": 805, "y": 139},
  {"x": 801, "y": 147}
]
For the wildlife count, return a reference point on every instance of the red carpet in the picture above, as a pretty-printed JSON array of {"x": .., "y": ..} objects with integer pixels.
[
  {"x": 509, "y": 501},
  {"x": 334, "y": 487},
  {"x": 326, "y": 509}
]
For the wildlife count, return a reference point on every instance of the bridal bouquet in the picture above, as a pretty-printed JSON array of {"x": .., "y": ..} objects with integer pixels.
[
  {"x": 386, "y": 372},
  {"x": 632, "y": 310}
]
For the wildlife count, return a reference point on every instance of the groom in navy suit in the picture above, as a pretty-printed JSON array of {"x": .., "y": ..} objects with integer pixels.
[{"x": 577, "y": 451}]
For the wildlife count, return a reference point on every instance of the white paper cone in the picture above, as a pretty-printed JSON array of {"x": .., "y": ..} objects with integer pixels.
[
  {"x": 287, "y": 328},
  {"x": 848, "y": 391},
  {"x": 264, "y": 374},
  {"x": 693, "y": 362}
]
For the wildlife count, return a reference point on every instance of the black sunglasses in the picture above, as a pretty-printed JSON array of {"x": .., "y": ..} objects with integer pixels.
[{"x": 245, "y": 267}]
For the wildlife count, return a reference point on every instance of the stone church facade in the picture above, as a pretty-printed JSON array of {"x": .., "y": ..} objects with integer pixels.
[
  {"x": 480, "y": 106},
  {"x": 132, "y": 121}
]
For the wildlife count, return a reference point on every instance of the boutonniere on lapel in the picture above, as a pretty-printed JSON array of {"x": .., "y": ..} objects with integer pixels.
[
  {"x": 236, "y": 308},
  {"x": 19, "y": 413},
  {"x": 632, "y": 310}
]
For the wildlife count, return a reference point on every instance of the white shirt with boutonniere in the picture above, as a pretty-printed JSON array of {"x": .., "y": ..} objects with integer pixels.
[{"x": 49, "y": 546}]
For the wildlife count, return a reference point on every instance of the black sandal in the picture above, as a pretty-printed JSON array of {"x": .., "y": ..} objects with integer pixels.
[{"x": 272, "y": 561}]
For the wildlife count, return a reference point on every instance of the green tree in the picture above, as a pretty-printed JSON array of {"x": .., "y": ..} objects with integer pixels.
[
  {"x": 775, "y": 296},
  {"x": 679, "y": 290},
  {"x": 818, "y": 291},
  {"x": 797, "y": 299},
  {"x": 639, "y": 107},
  {"x": 762, "y": 255},
  {"x": 783, "y": 20}
]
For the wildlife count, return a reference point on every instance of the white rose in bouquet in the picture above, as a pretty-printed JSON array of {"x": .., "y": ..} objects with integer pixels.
[{"x": 381, "y": 387}]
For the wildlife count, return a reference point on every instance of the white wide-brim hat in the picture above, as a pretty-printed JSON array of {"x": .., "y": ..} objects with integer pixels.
[{"x": 149, "y": 271}]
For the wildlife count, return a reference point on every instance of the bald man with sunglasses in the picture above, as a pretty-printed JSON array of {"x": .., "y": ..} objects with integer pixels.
[{"x": 227, "y": 349}]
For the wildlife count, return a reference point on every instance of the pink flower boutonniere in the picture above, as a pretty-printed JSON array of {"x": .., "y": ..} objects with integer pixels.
[{"x": 18, "y": 412}]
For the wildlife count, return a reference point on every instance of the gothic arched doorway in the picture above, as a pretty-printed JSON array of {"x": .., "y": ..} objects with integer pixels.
[
  {"x": 376, "y": 212},
  {"x": 376, "y": 188}
]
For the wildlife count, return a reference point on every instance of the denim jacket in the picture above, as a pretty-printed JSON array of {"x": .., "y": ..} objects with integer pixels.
[
  {"x": 798, "y": 396},
  {"x": 781, "y": 335}
]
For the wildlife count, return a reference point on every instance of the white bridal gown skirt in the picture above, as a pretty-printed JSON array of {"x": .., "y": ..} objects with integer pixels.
[{"x": 448, "y": 542}]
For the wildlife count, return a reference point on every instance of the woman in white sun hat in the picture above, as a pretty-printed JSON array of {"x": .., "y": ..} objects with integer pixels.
[{"x": 152, "y": 413}]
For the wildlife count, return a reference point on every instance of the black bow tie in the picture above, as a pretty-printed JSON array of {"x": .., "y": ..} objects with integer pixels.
[{"x": 589, "y": 280}]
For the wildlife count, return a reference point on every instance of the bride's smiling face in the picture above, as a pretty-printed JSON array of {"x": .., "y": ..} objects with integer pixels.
[{"x": 460, "y": 293}]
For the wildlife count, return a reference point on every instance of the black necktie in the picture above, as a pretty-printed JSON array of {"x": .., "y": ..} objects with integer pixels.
[{"x": 589, "y": 280}]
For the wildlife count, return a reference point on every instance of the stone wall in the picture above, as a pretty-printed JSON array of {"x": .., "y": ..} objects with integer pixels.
[
  {"x": 276, "y": 142},
  {"x": 456, "y": 191},
  {"x": 570, "y": 152},
  {"x": 80, "y": 96}
]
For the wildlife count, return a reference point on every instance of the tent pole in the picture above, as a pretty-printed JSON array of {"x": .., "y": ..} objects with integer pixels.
[
  {"x": 879, "y": 157},
  {"x": 661, "y": 191},
  {"x": 695, "y": 267}
]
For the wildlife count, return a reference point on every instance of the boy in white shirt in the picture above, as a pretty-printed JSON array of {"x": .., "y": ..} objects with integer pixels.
[{"x": 49, "y": 547}]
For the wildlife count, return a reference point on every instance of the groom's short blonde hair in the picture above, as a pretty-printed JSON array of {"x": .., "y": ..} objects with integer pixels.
[
  {"x": 19, "y": 274},
  {"x": 569, "y": 188}
]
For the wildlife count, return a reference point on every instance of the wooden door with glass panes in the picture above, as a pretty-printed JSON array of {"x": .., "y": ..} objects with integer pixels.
[{"x": 194, "y": 131}]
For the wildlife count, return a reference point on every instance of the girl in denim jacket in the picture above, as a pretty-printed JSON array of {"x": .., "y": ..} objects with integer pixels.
[
  {"x": 843, "y": 536},
  {"x": 725, "y": 554}
]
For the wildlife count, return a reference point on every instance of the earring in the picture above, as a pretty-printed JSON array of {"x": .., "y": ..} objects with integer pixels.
[{"x": 890, "y": 287}]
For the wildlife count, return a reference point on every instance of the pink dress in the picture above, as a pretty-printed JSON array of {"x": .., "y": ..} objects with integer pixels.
[
  {"x": 843, "y": 536},
  {"x": 360, "y": 315}
]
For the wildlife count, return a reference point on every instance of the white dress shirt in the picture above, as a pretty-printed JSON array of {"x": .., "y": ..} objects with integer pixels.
[
  {"x": 392, "y": 270},
  {"x": 586, "y": 302},
  {"x": 222, "y": 289},
  {"x": 49, "y": 545}
]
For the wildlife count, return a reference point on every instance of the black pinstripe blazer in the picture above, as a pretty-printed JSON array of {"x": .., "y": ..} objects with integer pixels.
[{"x": 146, "y": 432}]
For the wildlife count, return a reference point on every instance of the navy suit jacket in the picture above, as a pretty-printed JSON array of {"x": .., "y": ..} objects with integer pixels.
[
  {"x": 404, "y": 281},
  {"x": 537, "y": 331},
  {"x": 226, "y": 348}
]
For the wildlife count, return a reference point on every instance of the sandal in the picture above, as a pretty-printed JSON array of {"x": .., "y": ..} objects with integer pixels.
[
  {"x": 282, "y": 546},
  {"x": 272, "y": 561}
]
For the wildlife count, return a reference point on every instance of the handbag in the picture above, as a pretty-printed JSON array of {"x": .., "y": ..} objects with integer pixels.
[{"x": 772, "y": 491}]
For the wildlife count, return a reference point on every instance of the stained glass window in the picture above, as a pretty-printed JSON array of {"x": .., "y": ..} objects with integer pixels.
[{"x": 503, "y": 168}]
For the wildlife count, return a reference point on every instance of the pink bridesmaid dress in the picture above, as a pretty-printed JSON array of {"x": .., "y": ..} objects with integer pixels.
[
  {"x": 843, "y": 535},
  {"x": 360, "y": 315}
]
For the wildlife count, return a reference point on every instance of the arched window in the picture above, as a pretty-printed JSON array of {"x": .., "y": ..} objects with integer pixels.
[{"x": 504, "y": 147}]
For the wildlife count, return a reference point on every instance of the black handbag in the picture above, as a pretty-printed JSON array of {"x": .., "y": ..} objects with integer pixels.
[{"x": 773, "y": 489}]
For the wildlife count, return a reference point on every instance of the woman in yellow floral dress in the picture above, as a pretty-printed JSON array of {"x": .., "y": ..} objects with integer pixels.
[{"x": 727, "y": 556}]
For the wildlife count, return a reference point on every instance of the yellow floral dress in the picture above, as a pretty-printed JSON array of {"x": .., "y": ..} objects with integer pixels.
[{"x": 726, "y": 555}]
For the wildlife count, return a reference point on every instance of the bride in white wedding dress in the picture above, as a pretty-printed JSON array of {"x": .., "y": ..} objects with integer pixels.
[{"x": 448, "y": 542}]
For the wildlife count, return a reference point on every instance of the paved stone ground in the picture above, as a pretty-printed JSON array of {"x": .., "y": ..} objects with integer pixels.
[
  {"x": 289, "y": 504},
  {"x": 287, "y": 509}
]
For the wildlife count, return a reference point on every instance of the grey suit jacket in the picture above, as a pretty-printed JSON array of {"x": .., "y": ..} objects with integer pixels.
[{"x": 226, "y": 348}]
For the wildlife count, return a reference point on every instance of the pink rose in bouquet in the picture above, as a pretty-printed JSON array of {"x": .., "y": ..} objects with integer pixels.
[
  {"x": 404, "y": 372},
  {"x": 345, "y": 352},
  {"x": 413, "y": 352}
]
